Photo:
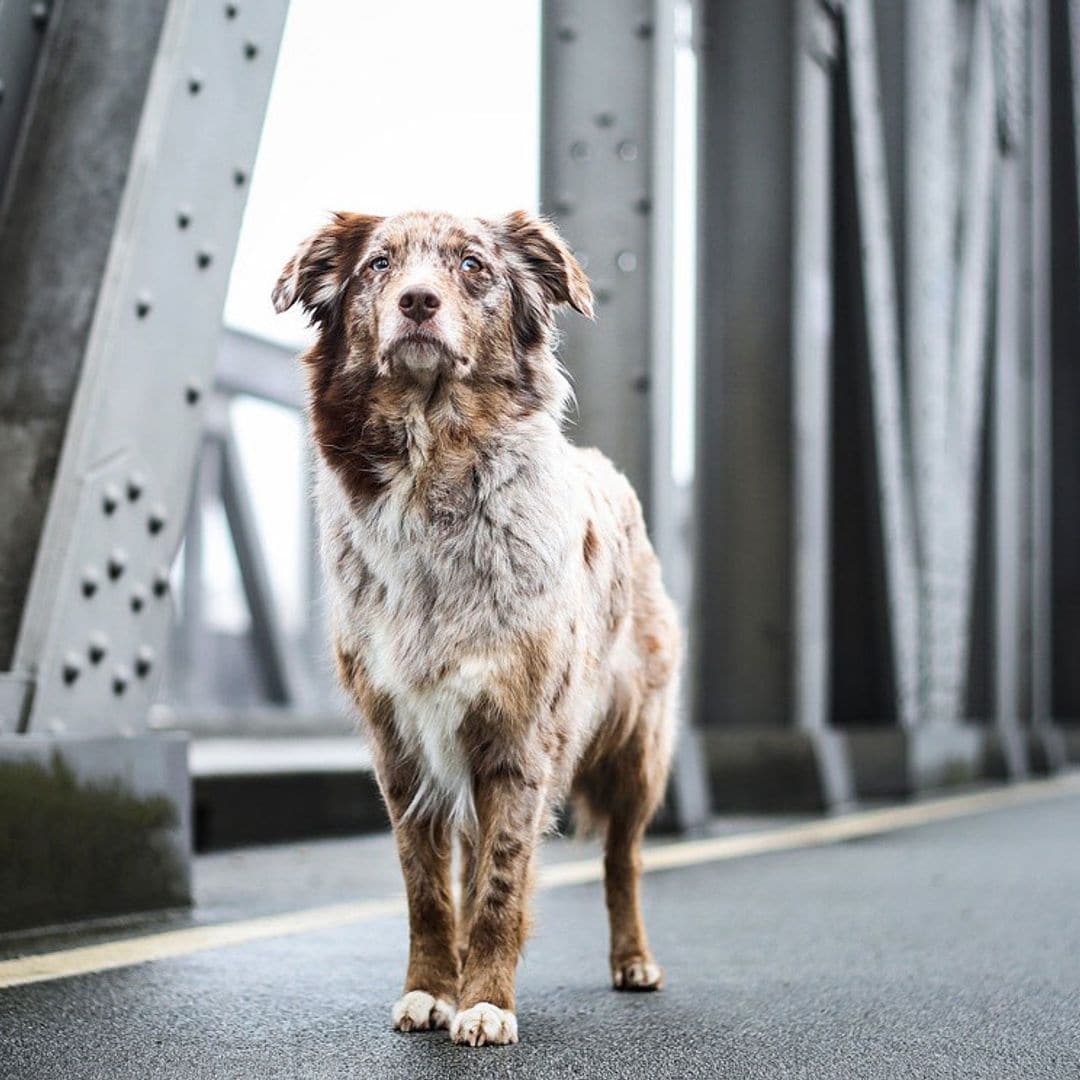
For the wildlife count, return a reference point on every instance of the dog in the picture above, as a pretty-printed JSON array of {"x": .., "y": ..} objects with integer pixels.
[{"x": 498, "y": 613}]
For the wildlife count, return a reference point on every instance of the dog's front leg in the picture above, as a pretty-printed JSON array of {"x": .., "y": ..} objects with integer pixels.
[
  {"x": 509, "y": 810},
  {"x": 431, "y": 981}
]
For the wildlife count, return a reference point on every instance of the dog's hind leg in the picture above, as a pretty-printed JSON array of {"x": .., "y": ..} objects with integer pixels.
[{"x": 623, "y": 789}]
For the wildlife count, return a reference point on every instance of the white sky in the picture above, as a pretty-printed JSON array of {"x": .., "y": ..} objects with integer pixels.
[{"x": 380, "y": 107}]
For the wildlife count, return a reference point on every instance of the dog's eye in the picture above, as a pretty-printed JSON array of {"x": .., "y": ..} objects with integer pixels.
[
  {"x": 470, "y": 264},
  {"x": 380, "y": 263}
]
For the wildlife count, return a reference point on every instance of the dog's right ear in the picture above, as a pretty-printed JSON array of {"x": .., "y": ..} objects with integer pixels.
[{"x": 316, "y": 276}]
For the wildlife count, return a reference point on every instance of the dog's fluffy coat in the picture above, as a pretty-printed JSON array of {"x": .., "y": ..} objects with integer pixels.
[{"x": 498, "y": 611}]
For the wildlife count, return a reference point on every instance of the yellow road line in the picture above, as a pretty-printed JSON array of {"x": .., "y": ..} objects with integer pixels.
[{"x": 127, "y": 952}]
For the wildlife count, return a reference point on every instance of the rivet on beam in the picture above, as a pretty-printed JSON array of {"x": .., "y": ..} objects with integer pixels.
[
  {"x": 117, "y": 563},
  {"x": 144, "y": 661},
  {"x": 97, "y": 648},
  {"x": 121, "y": 678},
  {"x": 71, "y": 668}
]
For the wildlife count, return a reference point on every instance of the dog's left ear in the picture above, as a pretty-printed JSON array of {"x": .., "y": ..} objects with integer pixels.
[
  {"x": 548, "y": 258},
  {"x": 316, "y": 276}
]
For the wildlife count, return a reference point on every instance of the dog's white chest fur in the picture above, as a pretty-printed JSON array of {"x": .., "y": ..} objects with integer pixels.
[
  {"x": 429, "y": 611},
  {"x": 429, "y": 720}
]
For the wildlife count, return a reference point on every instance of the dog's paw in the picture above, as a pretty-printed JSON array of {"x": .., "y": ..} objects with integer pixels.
[
  {"x": 419, "y": 1011},
  {"x": 484, "y": 1025},
  {"x": 637, "y": 974}
]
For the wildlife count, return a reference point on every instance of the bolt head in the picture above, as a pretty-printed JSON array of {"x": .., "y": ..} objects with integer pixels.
[
  {"x": 71, "y": 668},
  {"x": 144, "y": 661}
]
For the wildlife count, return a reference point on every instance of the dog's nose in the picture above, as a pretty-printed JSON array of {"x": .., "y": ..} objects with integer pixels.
[{"x": 419, "y": 304}]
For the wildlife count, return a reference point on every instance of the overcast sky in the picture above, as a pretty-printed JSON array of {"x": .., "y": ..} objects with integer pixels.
[{"x": 381, "y": 107}]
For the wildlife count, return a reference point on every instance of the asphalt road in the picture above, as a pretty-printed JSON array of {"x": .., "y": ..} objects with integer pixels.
[{"x": 949, "y": 950}]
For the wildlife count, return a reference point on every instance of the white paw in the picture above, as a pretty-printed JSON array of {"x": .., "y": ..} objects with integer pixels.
[
  {"x": 484, "y": 1025},
  {"x": 637, "y": 975},
  {"x": 419, "y": 1011}
]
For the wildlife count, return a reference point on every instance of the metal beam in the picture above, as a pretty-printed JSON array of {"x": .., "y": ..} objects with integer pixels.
[
  {"x": 1041, "y": 420},
  {"x": 121, "y": 490},
  {"x": 596, "y": 183},
  {"x": 277, "y": 655},
  {"x": 893, "y": 456},
  {"x": 78, "y": 129},
  {"x": 931, "y": 213},
  {"x": 812, "y": 357},
  {"x": 971, "y": 340},
  {"x": 23, "y": 27}
]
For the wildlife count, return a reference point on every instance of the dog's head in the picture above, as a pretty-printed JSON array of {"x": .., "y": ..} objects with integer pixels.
[{"x": 426, "y": 298}]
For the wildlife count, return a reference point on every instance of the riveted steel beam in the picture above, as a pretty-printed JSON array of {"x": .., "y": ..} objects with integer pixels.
[
  {"x": 597, "y": 184},
  {"x": 100, "y": 581}
]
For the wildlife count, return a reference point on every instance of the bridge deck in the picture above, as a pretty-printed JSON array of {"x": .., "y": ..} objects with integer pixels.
[{"x": 949, "y": 949}]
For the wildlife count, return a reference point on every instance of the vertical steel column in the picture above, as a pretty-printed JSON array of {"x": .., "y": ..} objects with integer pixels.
[
  {"x": 931, "y": 214},
  {"x": 971, "y": 340},
  {"x": 1041, "y": 417},
  {"x": 894, "y": 461},
  {"x": 1010, "y": 390},
  {"x": 597, "y": 184},
  {"x": 763, "y": 377},
  {"x": 671, "y": 515},
  {"x": 744, "y": 464},
  {"x": 812, "y": 334}
]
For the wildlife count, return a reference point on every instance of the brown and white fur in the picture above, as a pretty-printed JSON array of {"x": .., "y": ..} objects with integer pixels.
[{"x": 498, "y": 612}]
